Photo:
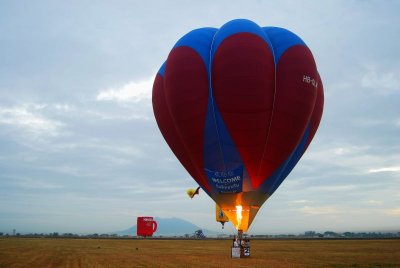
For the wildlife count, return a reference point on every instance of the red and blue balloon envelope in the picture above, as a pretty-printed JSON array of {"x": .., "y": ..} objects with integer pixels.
[{"x": 238, "y": 106}]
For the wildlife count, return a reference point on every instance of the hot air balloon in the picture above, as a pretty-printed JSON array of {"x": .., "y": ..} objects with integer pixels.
[{"x": 238, "y": 106}]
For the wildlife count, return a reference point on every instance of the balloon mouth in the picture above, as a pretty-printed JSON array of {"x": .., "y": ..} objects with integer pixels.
[{"x": 240, "y": 208}]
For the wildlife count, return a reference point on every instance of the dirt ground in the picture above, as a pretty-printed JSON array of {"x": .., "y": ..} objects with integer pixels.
[{"x": 44, "y": 252}]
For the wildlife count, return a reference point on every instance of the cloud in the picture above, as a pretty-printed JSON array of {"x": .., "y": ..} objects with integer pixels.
[
  {"x": 333, "y": 188},
  {"x": 385, "y": 169},
  {"x": 356, "y": 158},
  {"x": 349, "y": 150},
  {"x": 302, "y": 201},
  {"x": 393, "y": 212},
  {"x": 321, "y": 210},
  {"x": 338, "y": 153},
  {"x": 373, "y": 202},
  {"x": 28, "y": 117},
  {"x": 382, "y": 81},
  {"x": 134, "y": 91},
  {"x": 110, "y": 141},
  {"x": 141, "y": 115},
  {"x": 63, "y": 107},
  {"x": 30, "y": 183}
]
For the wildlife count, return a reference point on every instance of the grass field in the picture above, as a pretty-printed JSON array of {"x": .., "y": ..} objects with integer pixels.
[{"x": 41, "y": 252}]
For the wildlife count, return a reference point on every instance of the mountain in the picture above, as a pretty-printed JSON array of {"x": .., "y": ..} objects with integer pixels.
[{"x": 170, "y": 227}]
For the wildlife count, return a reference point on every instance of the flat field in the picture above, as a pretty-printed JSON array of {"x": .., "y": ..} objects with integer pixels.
[{"x": 44, "y": 252}]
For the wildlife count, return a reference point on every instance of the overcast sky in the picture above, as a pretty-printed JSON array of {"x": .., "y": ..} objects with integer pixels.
[{"x": 80, "y": 150}]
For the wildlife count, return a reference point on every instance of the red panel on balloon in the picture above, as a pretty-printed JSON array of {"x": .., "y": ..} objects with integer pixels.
[
  {"x": 186, "y": 92},
  {"x": 294, "y": 102},
  {"x": 243, "y": 74},
  {"x": 167, "y": 127}
]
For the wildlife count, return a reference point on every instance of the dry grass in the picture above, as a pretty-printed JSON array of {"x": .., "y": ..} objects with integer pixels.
[{"x": 36, "y": 252}]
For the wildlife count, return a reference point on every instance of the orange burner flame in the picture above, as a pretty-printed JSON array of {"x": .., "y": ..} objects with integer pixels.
[{"x": 239, "y": 216}]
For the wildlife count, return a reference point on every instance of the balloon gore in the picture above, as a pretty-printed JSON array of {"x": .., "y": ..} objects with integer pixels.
[{"x": 239, "y": 106}]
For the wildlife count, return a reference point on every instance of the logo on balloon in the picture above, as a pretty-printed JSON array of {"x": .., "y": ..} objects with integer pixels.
[
  {"x": 230, "y": 181},
  {"x": 307, "y": 79}
]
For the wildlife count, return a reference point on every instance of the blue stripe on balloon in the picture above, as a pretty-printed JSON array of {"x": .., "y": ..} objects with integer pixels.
[
  {"x": 272, "y": 183},
  {"x": 220, "y": 152},
  {"x": 237, "y": 26},
  {"x": 281, "y": 39},
  {"x": 161, "y": 71},
  {"x": 295, "y": 158},
  {"x": 213, "y": 155},
  {"x": 200, "y": 40}
]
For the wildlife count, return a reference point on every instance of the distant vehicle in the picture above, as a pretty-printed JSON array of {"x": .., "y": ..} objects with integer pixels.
[
  {"x": 199, "y": 234},
  {"x": 146, "y": 226}
]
